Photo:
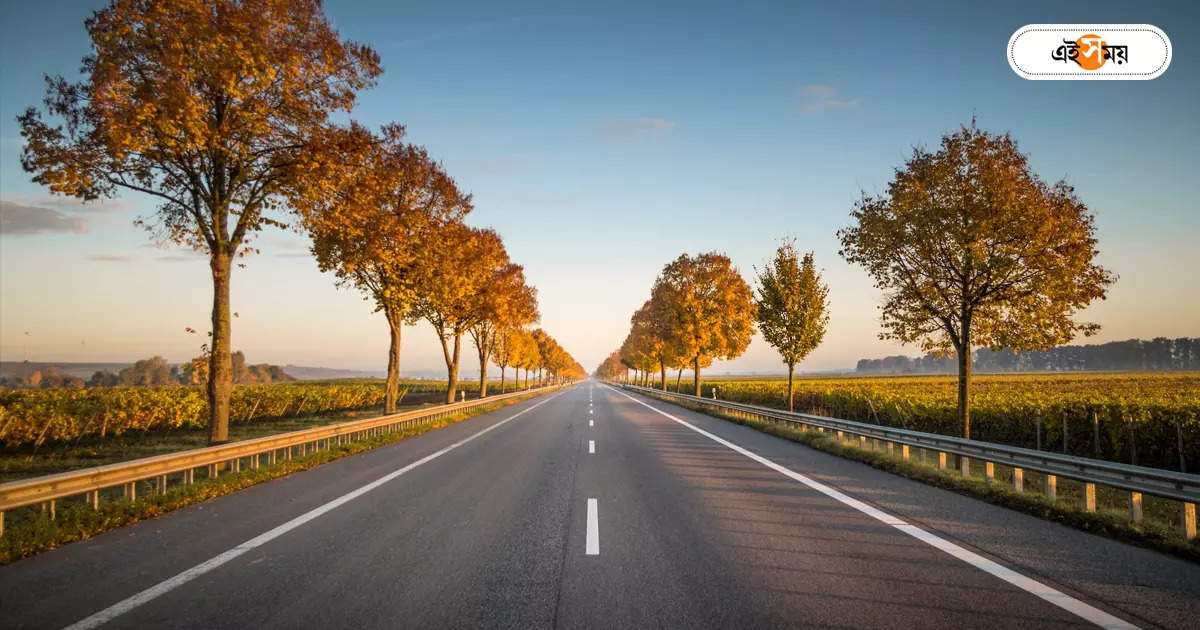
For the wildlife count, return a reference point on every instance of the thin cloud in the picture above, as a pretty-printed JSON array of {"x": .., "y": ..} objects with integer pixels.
[
  {"x": 24, "y": 220},
  {"x": 79, "y": 206},
  {"x": 534, "y": 199},
  {"x": 636, "y": 128},
  {"x": 293, "y": 255},
  {"x": 110, "y": 258},
  {"x": 497, "y": 166},
  {"x": 818, "y": 98},
  {"x": 468, "y": 30}
]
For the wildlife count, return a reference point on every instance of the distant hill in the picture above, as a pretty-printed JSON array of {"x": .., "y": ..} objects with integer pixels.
[
  {"x": 309, "y": 373},
  {"x": 81, "y": 370},
  {"x": 298, "y": 372}
]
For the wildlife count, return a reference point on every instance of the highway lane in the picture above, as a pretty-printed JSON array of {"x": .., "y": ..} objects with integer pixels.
[{"x": 688, "y": 533}]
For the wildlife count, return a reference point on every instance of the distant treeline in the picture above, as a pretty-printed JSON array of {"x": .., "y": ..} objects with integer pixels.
[
  {"x": 148, "y": 372},
  {"x": 1133, "y": 354}
]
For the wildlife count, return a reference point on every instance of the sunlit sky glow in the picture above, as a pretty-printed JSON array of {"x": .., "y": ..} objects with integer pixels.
[{"x": 601, "y": 141}]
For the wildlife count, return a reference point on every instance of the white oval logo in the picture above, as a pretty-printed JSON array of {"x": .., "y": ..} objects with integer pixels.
[{"x": 1089, "y": 52}]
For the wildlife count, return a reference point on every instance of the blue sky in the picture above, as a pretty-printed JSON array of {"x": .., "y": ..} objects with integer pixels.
[{"x": 602, "y": 140}]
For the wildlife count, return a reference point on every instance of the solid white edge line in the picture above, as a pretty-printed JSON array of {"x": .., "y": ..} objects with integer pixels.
[
  {"x": 128, "y": 604},
  {"x": 1050, "y": 594},
  {"x": 591, "y": 447},
  {"x": 592, "y": 546}
]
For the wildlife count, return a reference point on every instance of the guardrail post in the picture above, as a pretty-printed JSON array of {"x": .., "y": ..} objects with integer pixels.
[
  {"x": 1051, "y": 487},
  {"x": 93, "y": 499},
  {"x": 54, "y": 513},
  {"x": 1, "y": 522},
  {"x": 162, "y": 484},
  {"x": 212, "y": 471},
  {"x": 1089, "y": 497},
  {"x": 903, "y": 451},
  {"x": 862, "y": 441},
  {"x": 1019, "y": 480},
  {"x": 841, "y": 437},
  {"x": 989, "y": 471},
  {"x": 189, "y": 476},
  {"x": 964, "y": 465},
  {"x": 1135, "y": 508},
  {"x": 237, "y": 464},
  {"x": 941, "y": 460},
  {"x": 131, "y": 491},
  {"x": 1189, "y": 521}
]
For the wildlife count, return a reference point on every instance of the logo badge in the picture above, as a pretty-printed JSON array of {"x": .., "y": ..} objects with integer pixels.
[{"x": 1089, "y": 52}]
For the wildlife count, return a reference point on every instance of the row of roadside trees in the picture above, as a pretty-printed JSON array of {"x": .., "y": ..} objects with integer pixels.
[
  {"x": 700, "y": 309},
  {"x": 224, "y": 111},
  {"x": 970, "y": 248}
]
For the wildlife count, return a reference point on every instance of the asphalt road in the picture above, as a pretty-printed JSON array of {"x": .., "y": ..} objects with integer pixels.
[{"x": 693, "y": 522}]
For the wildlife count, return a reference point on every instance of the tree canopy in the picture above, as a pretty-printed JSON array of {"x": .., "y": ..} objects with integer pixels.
[
  {"x": 793, "y": 308},
  {"x": 971, "y": 248},
  {"x": 209, "y": 106}
]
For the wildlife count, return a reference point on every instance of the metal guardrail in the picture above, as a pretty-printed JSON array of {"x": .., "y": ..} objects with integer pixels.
[
  {"x": 1137, "y": 480},
  {"x": 90, "y": 481}
]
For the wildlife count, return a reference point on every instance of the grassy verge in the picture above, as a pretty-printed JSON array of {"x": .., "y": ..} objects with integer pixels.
[
  {"x": 1159, "y": 530},
  {"x": 29, "y": 531}
]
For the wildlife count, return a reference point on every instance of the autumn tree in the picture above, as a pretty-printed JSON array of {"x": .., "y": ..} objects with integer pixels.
[
  {"x": 453, "y": 275},
  {"x": 711, "y": 306},
  {"x": 505, "y": 301},
  {"x": 610, "y": 368},
  {"x": 388, "y": 204},
  {"x": 206, "y": 105},
  {"x": 793, "y": 308},
  {"x": 972, "y": 249},
  {"x": 657, "y": 327},
  {"x": 505, "y": 351},
  {"x": 525, "y": 353},
  {"x": 543, "y": 342}
]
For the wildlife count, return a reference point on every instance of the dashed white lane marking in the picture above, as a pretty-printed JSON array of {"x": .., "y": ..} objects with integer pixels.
[
  {"x": 591, "y": 447},
  {"x": 128, "y": 604},
  {"x": 591, "y": 423},
  {"x": 1052, "y": 595},
  {"x": 592, "y": 546}
]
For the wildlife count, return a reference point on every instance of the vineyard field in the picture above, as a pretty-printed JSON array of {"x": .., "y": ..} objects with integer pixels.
[
  {"x": 39, "y": 416},
  {"x": 1141, "y": 417}
]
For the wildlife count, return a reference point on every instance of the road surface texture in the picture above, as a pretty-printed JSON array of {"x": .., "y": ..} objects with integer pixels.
[{"x": 592, "y": 508}]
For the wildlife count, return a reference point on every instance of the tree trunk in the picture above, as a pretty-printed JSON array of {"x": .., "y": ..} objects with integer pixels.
[
  {"x": 483, "y": 357},
  {"x": 501, "y": 379},
  {"x": 791, "y": 390},
  {"x": 392, "y": 387},
  {"x": 662, "y": 368},
  {"x": 696, "y": 375},
  {"x": 678, "y": 377},
  {"x": 964, "y": 382},
  {"x": 220, "y": 359},
  {"x": 451, "y": 365}
]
